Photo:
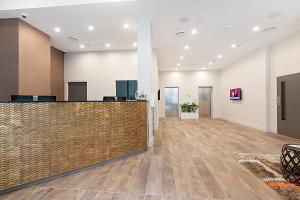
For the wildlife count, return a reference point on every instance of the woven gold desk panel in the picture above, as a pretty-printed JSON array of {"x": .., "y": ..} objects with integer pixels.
[{"x": 39, "y": 140}]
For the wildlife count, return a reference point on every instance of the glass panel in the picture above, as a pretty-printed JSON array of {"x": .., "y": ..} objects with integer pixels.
[
  {"x": 121, "y": 89},
  {"x": 171, "y": 102}
]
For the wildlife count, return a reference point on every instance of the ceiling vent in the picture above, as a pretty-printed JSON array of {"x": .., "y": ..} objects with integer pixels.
[
  {"x": 184, "y": 20},
  {"x": 73, "y": 39},
  {"x": 269, "y": 29},
  {"x": 180, "y": 34}
]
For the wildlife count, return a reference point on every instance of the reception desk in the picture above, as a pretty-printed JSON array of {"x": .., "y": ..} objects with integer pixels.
[{"x": 43, "y": 140}]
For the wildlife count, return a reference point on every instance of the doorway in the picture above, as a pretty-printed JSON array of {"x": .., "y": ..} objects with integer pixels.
[
  {"x": 288, "y": 109},
  {"x": 171, "y": 101},
  {"x": 77, "y": 91},
  {"x": 205, "y": 97}
]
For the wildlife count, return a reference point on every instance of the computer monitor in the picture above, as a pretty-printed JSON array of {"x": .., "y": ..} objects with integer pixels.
[
  {"x": 47, "y": 98},
  {"x": 121, "y": 98},
  {"x": 21, "y": 98},
  {"x": 28, "y": 98},
  {"x": 109, "y": 99}
]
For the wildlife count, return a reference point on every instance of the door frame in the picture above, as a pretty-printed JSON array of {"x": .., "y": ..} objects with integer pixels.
[
  {"x": 211, "y": 100},
  {"x": 178, "y": 111},
  {"x": 72, "y": 80}
]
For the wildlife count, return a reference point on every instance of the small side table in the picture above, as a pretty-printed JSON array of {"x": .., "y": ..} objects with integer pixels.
[{"x": 290, "y": 160}]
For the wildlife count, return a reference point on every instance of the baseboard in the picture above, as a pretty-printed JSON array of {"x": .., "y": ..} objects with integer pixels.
[
  {"x": 244, "y": 123},
  {"x": 272, "y": 130}
]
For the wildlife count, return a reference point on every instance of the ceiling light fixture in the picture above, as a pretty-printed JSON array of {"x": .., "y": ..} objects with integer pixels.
[
  {"x": 210, "y": 63},
  {"x": 181, "y": 58},
  {"x": 186, "y": 47},
  {"x": 233, "y": 46},
  {"x": 108, "y": 45},
  {"x": 82, "y": 46},
  {"x": 126, "y": 26},
  {"x": 220, "y": 56},
  {"x": 194, "y": 31},
  {"x": 256, "y": 28},
  {"x": 134, "y": 44},
  {"x": 178, "y": 64},
  {"x": 57, "y": 29},
  {"x": 91, "y": 28}
]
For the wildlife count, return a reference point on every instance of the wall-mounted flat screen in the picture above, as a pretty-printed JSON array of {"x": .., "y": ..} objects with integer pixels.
[{"x": 236, "y": 94}]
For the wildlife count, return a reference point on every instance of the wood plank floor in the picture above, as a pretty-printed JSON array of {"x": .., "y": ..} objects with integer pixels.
[{"x": 191, "y": 160}]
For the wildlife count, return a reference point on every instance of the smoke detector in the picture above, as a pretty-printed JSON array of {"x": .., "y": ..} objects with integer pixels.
[{"x": 24, "y": 15}]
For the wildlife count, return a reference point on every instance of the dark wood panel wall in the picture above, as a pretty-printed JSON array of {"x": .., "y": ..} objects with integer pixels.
[
  {"x": 57, "y": 73},
  {"x": 9, "y": 58},
  {"x": 34, "y": 61},
  {"x": 28, "y": 63}
]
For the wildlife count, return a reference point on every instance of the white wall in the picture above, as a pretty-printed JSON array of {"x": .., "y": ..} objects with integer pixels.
[
  {"x": 257, "y": 75},
  {"x": 155, "y": 89},
  {"x": 100, "y": 70},
  {"x": 188, "y": 83},
  {"x": 285, "y": 60},
  {"x": 250, "y": 75}
]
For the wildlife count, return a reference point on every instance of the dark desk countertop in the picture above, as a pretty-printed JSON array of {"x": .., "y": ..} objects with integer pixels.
[{"x": 73, "y": 101}]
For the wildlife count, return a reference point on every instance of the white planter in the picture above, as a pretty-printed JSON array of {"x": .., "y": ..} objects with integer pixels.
[{"x": 189, "y": 115}]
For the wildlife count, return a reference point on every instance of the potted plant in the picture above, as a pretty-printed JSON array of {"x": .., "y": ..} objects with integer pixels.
[{"x": 189, "y": 111}]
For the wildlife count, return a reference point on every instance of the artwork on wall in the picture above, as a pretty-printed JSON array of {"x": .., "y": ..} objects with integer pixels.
[{"x": 236, "y": 94}]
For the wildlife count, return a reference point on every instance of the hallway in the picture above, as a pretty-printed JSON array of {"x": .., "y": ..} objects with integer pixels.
[{"x": 191, "y": 160}]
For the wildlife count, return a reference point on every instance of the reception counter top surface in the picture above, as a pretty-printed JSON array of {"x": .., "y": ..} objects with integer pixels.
[
  {"x": 41, "y": 140},
  {"x": 73, "y": 101}
]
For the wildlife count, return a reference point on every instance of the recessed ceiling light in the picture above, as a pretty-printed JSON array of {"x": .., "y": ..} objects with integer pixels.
[
  {"x": 134, "y": 44},
  {"x": 233, "y": 46},
  {"x": 186, "y": 47},
  {"x": 220, "y": 56},
  {"x": 81, "y": 46},
  {"x": 210, "y": 63},
  {"x": 194, "y": 31},
  {"x": 176, "y": 69},
  {"x": 178, "y": 64},
  {"x": 91, "y": 28},
  {"x": 108, "y": 45},
  {"x": 126, "y": 26},
  {"x": 181, "y": 58},
  {"x": 57, "y": 29},
  {"x": 256, "y": 28}
]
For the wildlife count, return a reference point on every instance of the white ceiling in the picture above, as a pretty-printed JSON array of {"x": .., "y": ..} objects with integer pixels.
[{"x": 209, "y": 17}]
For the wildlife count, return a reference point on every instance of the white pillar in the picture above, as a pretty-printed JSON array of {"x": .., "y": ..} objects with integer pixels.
[
  {"x": 145, "y": 70},
  {"x": 268, "y": 89}
]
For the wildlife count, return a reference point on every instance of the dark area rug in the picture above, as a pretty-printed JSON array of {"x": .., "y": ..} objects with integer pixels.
[{"x": 268, "y": 168}]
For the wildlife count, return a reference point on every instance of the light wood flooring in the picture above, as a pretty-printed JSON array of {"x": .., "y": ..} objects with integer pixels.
[{"x": 191, "y": 160}]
